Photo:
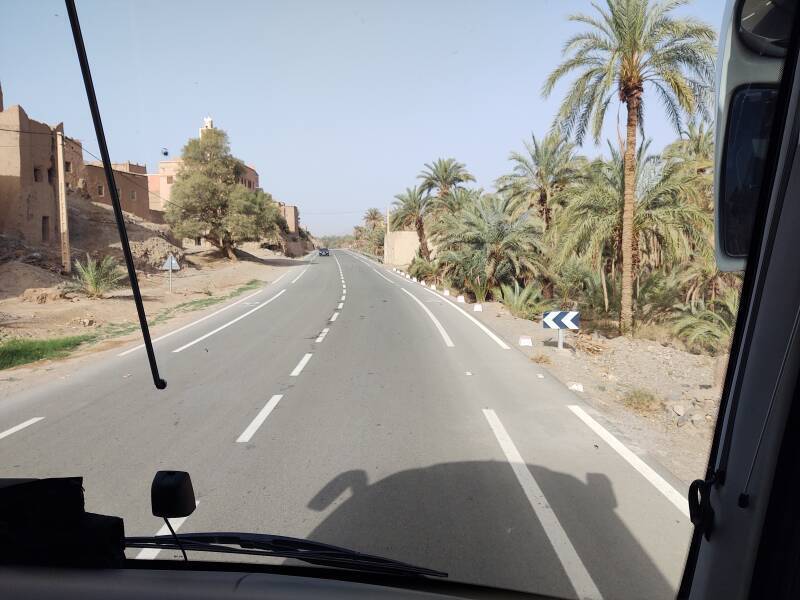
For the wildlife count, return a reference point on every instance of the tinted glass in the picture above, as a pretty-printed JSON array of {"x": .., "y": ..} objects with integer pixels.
[{"x": 751, "y": 116}]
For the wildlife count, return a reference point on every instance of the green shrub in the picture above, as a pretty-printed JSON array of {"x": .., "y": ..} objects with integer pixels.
[{"x": 95, "y": 278}]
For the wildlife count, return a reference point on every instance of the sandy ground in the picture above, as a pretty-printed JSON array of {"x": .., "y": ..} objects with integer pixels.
[
  {"x": 676, "y": 427},
  {"x": 204, "y": 276}
]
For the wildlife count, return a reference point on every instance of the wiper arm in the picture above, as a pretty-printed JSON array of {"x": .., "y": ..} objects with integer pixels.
[{"x": 278, "y": 546}]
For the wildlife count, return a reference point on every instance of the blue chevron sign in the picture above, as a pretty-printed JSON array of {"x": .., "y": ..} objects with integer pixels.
[{"x": 561, "y": 319}]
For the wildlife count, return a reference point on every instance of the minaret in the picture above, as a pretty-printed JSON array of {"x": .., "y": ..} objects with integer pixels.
[{"x": 208, "y": 123}]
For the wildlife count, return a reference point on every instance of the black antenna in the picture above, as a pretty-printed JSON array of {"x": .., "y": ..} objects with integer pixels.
[{"x": 123, "y": 234}]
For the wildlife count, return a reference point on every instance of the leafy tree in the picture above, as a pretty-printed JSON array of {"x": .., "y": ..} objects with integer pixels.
[
  {"x": 373, "y": 218},
  {"x": 543, "y": 170},
  {"x": 488, "y": 242},
  {"x": 668, "y": 227},
  {"x": 411, "y": 207},
  {"x": 443, "y": 175},
  {"x": 632, "y": 45},
  {"x": 207, "y": 201}
]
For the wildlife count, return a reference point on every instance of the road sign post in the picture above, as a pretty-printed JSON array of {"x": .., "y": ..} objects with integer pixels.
[
  {"x": 169, "y": 265},
  {"x": 561, "y": 320}
]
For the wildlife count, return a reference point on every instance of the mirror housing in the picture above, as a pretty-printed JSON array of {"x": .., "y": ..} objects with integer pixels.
[{"x": 172, "y": 494}]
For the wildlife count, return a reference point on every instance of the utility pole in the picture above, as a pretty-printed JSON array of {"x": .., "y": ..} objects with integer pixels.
[{"x": 63, "y": 218}]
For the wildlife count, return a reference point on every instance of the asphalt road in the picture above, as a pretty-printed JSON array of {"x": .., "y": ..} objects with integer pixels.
[{"x": 353, "y": 406}]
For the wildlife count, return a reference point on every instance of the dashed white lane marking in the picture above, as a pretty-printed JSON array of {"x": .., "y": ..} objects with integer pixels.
[
  {"x": 384, "y": 276},
  {"x": 200, "y": 320},
  {"x": 151, "y": 553},
  {"x": 301, "y": 365},
  {"x": 334, "y": 316},
  {"x": 259, "y": 420},
  {"x": 573, "y": 566},
  {"x": 671, "y": 494},
  {"x": 447, "y": 341},
  {"x": 20, "y": 427},
  {"x": 482, "y": 327},
  {"x": 341, "y": 304},
  {"x": 303, "y": 272},
  {"x": 229, "y": 323},
  {"x": 342, "y": 298},
  {"x": 322, "y": 335}
]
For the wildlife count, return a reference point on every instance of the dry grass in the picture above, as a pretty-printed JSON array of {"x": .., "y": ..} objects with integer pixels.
[
  {"x": 541, "y": 359},
  {"x": 641, "y": 400}
]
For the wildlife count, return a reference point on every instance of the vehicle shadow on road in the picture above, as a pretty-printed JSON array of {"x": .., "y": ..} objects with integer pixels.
[{"x": 472, "y": 520}]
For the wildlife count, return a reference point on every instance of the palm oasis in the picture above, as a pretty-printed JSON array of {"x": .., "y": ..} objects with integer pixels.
[{"x": 625, "y": 236}]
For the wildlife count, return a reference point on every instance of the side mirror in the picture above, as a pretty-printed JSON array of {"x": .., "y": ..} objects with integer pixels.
[{"x": 172, "y": 494}]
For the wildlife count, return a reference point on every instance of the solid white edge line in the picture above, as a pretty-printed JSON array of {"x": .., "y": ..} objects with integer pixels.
[
  {"x": 384, "y": 276},
  {"x": 483, "y": 327},
  {"x": 201, "y": 319},
  {"x": 151, "y": 553},
  {"x": 229, "y": 323},
  {"x": 645, "y": 470},
  {"x": 20, "y": 427},
  {"x": 578, "y": 575},
  {"x": 334, "y": 316},
  {"x": 303, "y": 272},
  {"x": 447, "y": 341},
  {"x": 262, "y": 415},
  {"x": 301, "y": 365}
]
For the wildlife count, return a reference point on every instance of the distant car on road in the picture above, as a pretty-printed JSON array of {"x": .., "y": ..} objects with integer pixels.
[{"x": 324, "y": 252}]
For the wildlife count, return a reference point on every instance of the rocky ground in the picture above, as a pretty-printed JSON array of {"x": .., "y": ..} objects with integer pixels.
[{"x": 662, "y": 399}]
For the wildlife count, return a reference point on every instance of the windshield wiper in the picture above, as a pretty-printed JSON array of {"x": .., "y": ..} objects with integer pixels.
[{"x": 280, "y": 547}]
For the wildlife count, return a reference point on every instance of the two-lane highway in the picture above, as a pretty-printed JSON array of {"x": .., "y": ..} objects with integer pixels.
[{"x": 350, "y": 405}]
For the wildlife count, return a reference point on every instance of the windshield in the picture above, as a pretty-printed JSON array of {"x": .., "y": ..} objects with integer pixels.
[{"x": 429, "y": 281}]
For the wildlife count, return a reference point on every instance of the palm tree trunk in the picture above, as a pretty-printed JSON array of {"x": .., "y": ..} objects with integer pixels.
[
  {"x": 544, "y": 209},
  {"x": 603, "y": 283},
  {"x": 424, "y": 252},
  {"x": 628, "y": 208}
]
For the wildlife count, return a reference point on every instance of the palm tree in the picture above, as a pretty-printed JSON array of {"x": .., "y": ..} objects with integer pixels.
[
  {"x": 632, "y": 45},
  {"x": 442, "y": 175},
  {"x": 411, "y": 207},
  {"x": 540, "y": 172},
  {"x": 489, "y": 242},
  {"x": 668, "y": 227},
  {"x": 709, "y": 327},
  {"x": 373, "y": 218},
  {"x": 694, "y": 151}
]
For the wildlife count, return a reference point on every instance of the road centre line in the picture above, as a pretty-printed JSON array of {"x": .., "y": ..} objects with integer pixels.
[
  {"x": 201, "y": 319},
  {"x": 262, "y": 415},
  {"x": 671, "y": 494},
  {"x": 229, "y": 323},
  {"x": 341, "y": 304},
  {"x": 151, "y": 553},
  {"x": 447, "y": 341},
  {"x": 20, "y": 427},
  {"x": 343, "y": 296},
  {"x": 573, "y": 566},
  {"x": 301, "y": 365},
  {"x": 334, "y": 316},
  {"x": 303, "y": 272},
  {"x": 322, "y": 335}
]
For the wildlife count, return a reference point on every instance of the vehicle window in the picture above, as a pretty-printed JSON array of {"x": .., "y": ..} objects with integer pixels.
[{"x": 429, "y": 281}]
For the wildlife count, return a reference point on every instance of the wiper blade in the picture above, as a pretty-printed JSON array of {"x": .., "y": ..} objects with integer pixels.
[{"x": 259, "y": 544}]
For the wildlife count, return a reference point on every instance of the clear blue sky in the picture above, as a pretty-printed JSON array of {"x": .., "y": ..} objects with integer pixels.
[{"x": 336, "y": 104}]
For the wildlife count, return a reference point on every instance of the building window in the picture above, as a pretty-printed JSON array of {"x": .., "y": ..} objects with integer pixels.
[
  {"x": 169, "y": 179},
  {"x": 68, "y": 166},
  {"x": 37, "y": 174},
  {"x": 101, "y": 190},
  {"x": 50, "y": 175},
  {"x": 133, "y": 195},
  {"x": 45, "y": 229}
]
